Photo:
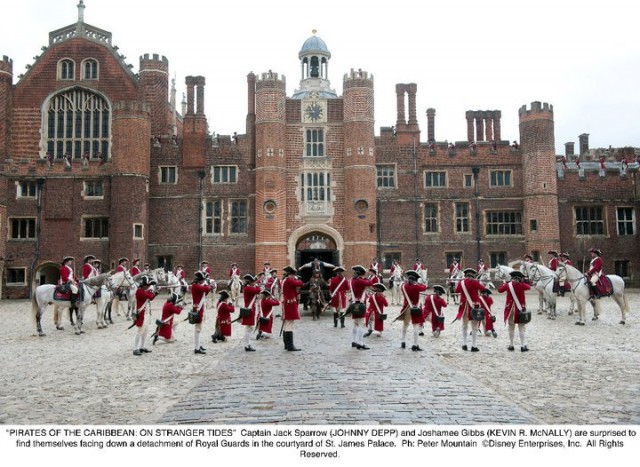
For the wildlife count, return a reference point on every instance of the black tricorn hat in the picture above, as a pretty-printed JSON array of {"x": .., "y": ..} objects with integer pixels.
[
  {"x": 439, "y": 289},
  {"x": 517, "y": 274}
]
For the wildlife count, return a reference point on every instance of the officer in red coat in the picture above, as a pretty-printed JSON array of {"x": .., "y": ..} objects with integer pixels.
[
  {"x": 515, "y": 301},
  {"x": 411, "y": 310},
  {"x": 123, "y": 265},
  {"x": 564, "y": 286},
  {"x": 267, "y": 303},
  {"x": 290, "y": 286},
  {"x": 338, "y": 287},
  {"x": 205, "y": 269},
  {"x": 432, "y": 309},
  {"x": 223, "y": 320},
  {"x": 135, "y": 268},
  {"x": 144, "y": 294},
  {"x": 87, "y": 267},
  {"x": 166, "y": 329},
  {"x": 200, "y": 288},
  {"x": 67, "y": 276},
  {"x": 469, "y": 290},
  {"x": 234, "y": 270},
  {"x": 595, "y": 272}
]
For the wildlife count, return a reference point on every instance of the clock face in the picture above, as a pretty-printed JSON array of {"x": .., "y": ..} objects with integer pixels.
[{"x": 313, "y": 112}]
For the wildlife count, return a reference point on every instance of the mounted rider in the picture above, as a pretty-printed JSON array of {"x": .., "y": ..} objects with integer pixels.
[
  {"x": 376, "y": 266},
  {"x": 564, "y": 286},
  {"x": 135, "y": 269},
  {"x": 205, "y": 269},
  {"x": 88, "y": 269},
  {"x": 482, "y": 268},
  {"x": 68, "y": 276},
  {"x": 595, "y": 274},
  {"x": 234, "y": 272}
]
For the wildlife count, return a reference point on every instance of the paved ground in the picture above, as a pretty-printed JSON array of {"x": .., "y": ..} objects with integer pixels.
[{"x": 572, "y": 375}]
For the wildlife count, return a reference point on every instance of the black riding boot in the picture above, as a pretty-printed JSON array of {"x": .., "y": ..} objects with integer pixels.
[
  {"x": 335, "y": 320},
  {"x": 288, "y": 335},
  {"x": 342, "y": 321}
]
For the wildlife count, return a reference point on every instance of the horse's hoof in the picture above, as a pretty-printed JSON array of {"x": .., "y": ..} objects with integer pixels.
[
  {"x": 570, "y": 313},
  {"x": 60, "y": 328},
  {"x": 41, "y": 334},
  {"x": 594, "y": 318},
  {"x": 81, "y": 332},
  {"x": 622, "y": 322}
]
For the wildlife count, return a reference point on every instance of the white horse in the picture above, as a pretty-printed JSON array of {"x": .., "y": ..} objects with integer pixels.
[
  {"x": 581, "y": 290},
  {"x": 158, "y": 275},
  {"x": 542, "y": 279},
  {"x": 424, "y": 276},
  {"x": 44, "y": 295},
  {"x": 398, "y": 279},
  {"x": 485, "y": 279},
  {"x": 235, "y": 285},
  {"x": 503, "y": 272},
  {"x": 452, "y": 283}
]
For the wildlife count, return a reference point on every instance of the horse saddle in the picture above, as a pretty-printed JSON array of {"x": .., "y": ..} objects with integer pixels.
[
  {"x": 62, "y": 292},
  {"x": 604, "y": 286}
]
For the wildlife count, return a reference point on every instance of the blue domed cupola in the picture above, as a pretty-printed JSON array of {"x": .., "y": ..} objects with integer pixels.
[{"x": 314, "y": 61}]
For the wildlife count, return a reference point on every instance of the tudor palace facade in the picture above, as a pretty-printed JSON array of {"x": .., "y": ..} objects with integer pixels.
[{"x": 96, "y": 159}]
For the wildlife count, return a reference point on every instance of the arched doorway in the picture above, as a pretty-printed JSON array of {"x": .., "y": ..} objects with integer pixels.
[
  {"x": 47, "y": 273},
  {"x": 315, "y": 241}
]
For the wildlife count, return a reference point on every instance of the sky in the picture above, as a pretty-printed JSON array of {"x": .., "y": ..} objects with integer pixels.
[{"x": 581, "y": 56}]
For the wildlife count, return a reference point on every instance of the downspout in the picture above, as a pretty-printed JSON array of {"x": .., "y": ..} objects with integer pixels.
[
  {"x": 36, "y": 254},
  {"x": 201, "y": 175}
]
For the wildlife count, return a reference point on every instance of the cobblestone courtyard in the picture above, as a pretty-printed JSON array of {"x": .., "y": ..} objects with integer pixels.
[{"x": 572, "y": 375}]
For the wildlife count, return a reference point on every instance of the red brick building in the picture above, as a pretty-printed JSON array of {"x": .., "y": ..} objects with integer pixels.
[{"x": 96, "y": 159}]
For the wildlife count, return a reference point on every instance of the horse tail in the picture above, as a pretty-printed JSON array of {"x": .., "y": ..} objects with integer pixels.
[{"x": 34, "y": 305}]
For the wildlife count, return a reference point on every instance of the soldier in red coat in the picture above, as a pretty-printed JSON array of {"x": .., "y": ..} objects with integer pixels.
[
  {"x": 272, "y": 284},
  {"x": 290, "y": 313},
  {"x": 485, "y": 303},
  {"x": 338, "y": 287},
  {"x": 200, "y": 288},
  {"x": 432, "y": 309},
  {"x": 135, "y": 268},
  {"x": 358, "y": 288},
  {"x": 564, "y": 286},
  {"x": 144, "y": 294},
  {"x": 205, "y": 269},
  {"x": 469, "y": 290},
  {"x": 166, "y": 329},
  {"x": 267, "y": 303},
  {"x": 595, "y": 272},
  {"x": 514, "y": 302},
  {"x": 376, "y": 314},
  {"x": 411, "y": 310},
  {"x": 223, "y": 320},
  {"x": 68, "y": 276},
  {"x": 234, "y": 270},
  {"x": 87, "y": 267},
  {"x": 376, "y": 266},
  {"x": 250, "y": 295},
  {"x": 123, "y": 265}
]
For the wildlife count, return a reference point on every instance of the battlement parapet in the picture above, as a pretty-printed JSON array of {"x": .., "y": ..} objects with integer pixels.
[
  {"x": 153, "y": 58},
  {"x": 358, "y": 74},
  {"x": 536, "y": 107},
  {"x": 272, "y": 76}
]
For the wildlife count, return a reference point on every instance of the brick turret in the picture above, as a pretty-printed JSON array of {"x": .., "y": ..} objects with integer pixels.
[
  {"x": 131, "y": 151},
  {"x": 359, "y": 168},
  {"x": 154, "y": 90},
  {"x": 539, "y": 184},
  {"x": 271, "y": 169}
]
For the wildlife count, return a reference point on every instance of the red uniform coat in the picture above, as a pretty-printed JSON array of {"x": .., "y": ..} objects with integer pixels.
[
  {"x": 358, "y": 286},
  {"x": 482, "y": 268},
  {"x": 519, "y": 288},
  {"x": 379, "y": 299},
  {"x": 271, "y": 284},
  {"x": 135, "y": 270},
  {"x": 67, "y": 275},
  {"x": 474, "y": 287},
  {"x": 88, "y": 271},
  {"x": 223, "y": 320},
  {"x": 234, "y": 272},
  {"x": 595, "y": 267},
  {"x": 266, "y": 306},
  {"x": 429, "y": 311},
  {"x": 377, "y": 267},
  {"x": 338, "y": 286},
  {"x": 412, "y": 291},
  {"x": 248, "y": 293},
  {"x": 290, "y": 288},
  {"x": 198, "y": 296},
  {"x": 142, "y": 296},
  {"x": 168, "y": 310},
  {"x": 454, "y": 269},
  {"x": 553, "y": 263},
  {"x": 181, "y": 275},
  {"x": 206, "y": 270},
  {"x": 418, "y": 267},
  {"x": 485, "y": 304},
  {"x": 121, "y": 268}
]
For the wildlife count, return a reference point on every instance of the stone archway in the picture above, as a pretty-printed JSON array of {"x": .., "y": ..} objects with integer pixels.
[
  {"x": 46, "y": 273},
  {"x": 315, "y": 240}
]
